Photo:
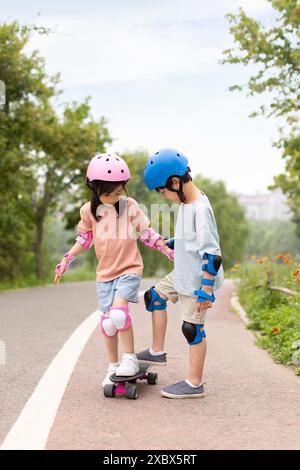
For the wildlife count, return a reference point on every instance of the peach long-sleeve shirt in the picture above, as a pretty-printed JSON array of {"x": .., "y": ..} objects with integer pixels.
[{"x": 115, "y": 237}]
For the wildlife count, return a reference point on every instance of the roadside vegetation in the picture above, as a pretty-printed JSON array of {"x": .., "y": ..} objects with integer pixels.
[{"x": 275, "y": 314}]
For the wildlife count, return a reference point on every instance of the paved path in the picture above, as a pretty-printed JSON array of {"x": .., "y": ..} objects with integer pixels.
[{"x": 250, "y": 403}]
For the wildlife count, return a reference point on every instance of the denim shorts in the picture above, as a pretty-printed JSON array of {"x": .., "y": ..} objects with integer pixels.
[{"x": 125, "y": 287}]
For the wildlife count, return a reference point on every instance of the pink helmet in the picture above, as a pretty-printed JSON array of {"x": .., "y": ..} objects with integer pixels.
[{"x": 107, "y": 167}]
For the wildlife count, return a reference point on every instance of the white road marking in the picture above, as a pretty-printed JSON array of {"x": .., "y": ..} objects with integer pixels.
[{"x": 32, "y": 428}]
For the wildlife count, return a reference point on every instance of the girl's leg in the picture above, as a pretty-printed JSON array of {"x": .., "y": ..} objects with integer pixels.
[
  {"x": 129, "y": 364},
  {"x": 111, "y": 343},
  {"x": 127, "y": 335}
]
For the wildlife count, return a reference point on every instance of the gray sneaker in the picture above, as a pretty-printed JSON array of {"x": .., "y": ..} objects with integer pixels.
[
  {"x": 147, "y": 358},
  {"x": 183, "y": 390}
]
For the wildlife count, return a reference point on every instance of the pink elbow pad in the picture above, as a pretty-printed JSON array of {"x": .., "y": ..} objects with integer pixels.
[{"x": 85, "y": 239}]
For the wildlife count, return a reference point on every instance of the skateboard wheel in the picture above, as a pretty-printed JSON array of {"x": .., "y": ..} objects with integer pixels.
[
  {"x": 152, "y": 378},
  {"x": 109, "y": 390},
  {"x": 131, "y": 392}
]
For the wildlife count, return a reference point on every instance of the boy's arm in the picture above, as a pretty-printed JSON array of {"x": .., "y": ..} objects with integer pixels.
[
  {"x": 205, "y": 296},
  {"x": 210, "y": 254}
]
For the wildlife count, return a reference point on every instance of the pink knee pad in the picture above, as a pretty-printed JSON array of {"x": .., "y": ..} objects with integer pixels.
[
  {"x": 107, "y": 326},
  {"x": 120, "y": 317}
]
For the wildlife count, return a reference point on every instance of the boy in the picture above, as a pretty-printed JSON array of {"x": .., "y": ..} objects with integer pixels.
[{"x": 197, "y": 268}]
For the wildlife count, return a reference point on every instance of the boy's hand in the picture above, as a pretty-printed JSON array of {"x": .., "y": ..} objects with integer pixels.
[
  {"x": 207, "y": 304},
  {"x": 203, "y": 305}
]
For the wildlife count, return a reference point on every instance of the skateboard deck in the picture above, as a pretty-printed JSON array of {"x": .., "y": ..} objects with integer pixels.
[
  {"x": 126, "y": 386},
  {"x": 144, "y": 368}
]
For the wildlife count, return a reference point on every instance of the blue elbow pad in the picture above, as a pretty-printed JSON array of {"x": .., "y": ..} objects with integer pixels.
[{"x": 213, "y": 265}]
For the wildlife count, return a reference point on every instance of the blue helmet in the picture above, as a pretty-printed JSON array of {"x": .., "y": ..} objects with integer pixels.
[{"x": 162, "y": 165}]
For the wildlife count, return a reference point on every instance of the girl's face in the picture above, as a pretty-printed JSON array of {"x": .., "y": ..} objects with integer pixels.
[{"x": 113, "y": 197}]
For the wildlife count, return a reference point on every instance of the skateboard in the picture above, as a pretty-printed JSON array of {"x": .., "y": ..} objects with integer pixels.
[{"x": 127, "y": 385}]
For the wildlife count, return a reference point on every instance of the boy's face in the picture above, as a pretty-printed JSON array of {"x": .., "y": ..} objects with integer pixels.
[{"x": 170, "y": 195}]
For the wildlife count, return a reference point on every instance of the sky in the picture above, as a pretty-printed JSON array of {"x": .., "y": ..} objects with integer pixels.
[{"x": 152, "y": 69}]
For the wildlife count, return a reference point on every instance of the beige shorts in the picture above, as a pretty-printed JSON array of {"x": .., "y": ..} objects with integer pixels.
[{"x": 187, "y": 304}]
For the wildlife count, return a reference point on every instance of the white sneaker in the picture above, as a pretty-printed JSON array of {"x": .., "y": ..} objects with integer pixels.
[
  {"x": 128, "y": 366},
  {"x": 112, "y": 368}
]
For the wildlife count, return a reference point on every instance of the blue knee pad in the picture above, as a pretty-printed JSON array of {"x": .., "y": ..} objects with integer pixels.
[
  {"x": 152, "y": 296},
  {"x": 193, "y": 333}
]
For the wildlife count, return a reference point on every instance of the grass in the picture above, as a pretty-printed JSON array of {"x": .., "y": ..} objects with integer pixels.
[
  {"x": 82, "y": 272},
  {"x": 276, "y": 316}
]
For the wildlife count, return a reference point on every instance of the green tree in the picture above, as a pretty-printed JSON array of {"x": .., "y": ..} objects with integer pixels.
[
  {"x": 25, "y": 91},
  {"x": 43, "y": 154},
  {"x": 275, "y": 51}
]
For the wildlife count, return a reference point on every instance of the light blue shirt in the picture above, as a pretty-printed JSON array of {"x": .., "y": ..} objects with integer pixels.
[{"x": 195, "y": 233}]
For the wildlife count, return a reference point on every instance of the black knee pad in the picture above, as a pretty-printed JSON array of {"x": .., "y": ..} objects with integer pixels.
[
  {"x": 152, "y": 296},
  {"x": 194, "y": 334}
]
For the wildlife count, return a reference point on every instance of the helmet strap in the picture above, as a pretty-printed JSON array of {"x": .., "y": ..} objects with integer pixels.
[{"x": 179, "y": 191}]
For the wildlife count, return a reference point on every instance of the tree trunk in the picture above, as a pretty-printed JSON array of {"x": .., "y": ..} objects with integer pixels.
[
  {"x": 40, "y": 212},
  {"x": 38, "y": 247}
]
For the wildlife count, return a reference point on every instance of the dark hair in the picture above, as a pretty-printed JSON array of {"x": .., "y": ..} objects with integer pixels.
[
  {"x": 185, "y": 179},
  {"x": 187, "y": 176},
  {"x": 99, "y": 187}
]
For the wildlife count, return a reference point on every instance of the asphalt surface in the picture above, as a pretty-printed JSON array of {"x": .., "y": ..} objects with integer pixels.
[{"x": 250, "y": 403}]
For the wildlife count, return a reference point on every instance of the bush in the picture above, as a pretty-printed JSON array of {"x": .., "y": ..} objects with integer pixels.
[{"x": 274, "y": 314}]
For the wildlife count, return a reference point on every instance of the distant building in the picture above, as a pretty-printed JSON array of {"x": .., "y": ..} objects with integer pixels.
[{"x": 267, "y": 206}]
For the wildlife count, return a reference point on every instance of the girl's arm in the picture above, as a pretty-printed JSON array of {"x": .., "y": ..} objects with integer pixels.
[
  {"x": 155, "y": 241},
  {"x": 76, "y": 249},
  {"x": 147, "y": 235},
  {"x": 84, "y": 241}
]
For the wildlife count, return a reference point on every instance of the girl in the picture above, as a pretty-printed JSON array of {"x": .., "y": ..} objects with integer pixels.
[{"x": 113, "y": 223}]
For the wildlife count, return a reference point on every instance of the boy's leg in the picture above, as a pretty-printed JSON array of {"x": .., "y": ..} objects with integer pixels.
[
  {"x": 193, "y": 330},
  {"x": 159, "y": 326},
  {"x": 197, "y": 359},
  {"x": 155, "y": 300},
  {"x": 165, "y": 290}
]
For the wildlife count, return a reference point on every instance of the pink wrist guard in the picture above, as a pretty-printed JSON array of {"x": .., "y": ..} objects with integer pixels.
[
  {"x": 150, "y": 237},
  {"x": 85, "y": 239},
  {"x": 68, "y": 260}
]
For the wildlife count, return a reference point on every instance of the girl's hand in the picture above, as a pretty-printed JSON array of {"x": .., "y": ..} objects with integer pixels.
[
  {"x": 166, "y": 249},
  {"x": 62, "y": 267},
  {"x": 61, "y": 271}
]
